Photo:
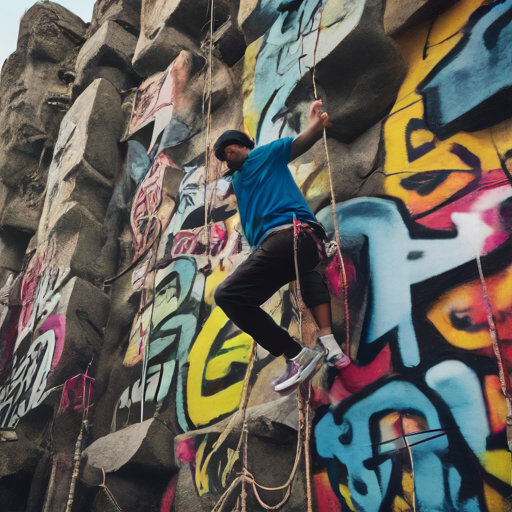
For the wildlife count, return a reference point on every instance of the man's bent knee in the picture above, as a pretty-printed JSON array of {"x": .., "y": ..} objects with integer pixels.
[
  {"x": 223, "y": 296},
  {"x": 219, "y": 295}
]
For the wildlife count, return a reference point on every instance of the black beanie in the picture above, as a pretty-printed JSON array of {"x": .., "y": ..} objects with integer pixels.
[{"x": 231, "y": 137}]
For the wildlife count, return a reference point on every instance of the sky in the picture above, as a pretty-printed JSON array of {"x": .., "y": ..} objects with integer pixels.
[{"x": 11, "y": 12}]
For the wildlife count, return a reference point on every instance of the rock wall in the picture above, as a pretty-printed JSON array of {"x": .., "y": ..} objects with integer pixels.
[{"x": 122, "y": 385}]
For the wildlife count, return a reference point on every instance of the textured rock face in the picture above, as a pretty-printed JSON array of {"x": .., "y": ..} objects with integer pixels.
[
  {"x": 124, "y": 387},
  {"x": 107, "y": 54},
  {"x": 126, "y": 13},
  {"x": 35, "y": 93}
]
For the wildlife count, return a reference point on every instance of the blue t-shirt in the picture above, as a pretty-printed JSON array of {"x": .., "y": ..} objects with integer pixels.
[{"x": 267, "y": 194}]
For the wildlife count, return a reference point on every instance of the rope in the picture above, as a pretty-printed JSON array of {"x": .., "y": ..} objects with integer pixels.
[
  {"x": 493, "y": 332},
  {"x": 409, "y": 449},
  {"x": 76, "y": 466},
  {"x": 337, "y": 237},
  {"x": 208, "y": 130},
  {"x": 307, "y": 420},
  {"x": 300, "y": 304},
  {"x": 150, "y": 272},
  {"x": 86, "y": 403},
  {"x": 245, "y": 477}
]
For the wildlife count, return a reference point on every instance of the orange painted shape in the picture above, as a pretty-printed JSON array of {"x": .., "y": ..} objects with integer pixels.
[
  {"x": 326, "y": 500},
  {"x": 460, "y": 315},
  {"x": 496, "y": 403}
]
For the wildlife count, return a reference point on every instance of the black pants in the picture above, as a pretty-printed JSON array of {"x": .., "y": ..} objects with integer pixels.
[{"x": 265, "y": 271}]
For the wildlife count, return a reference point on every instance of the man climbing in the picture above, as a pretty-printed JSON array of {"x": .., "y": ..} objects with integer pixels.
[{"x": 269, "y": 202}]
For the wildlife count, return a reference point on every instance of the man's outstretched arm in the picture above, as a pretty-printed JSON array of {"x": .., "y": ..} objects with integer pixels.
[{"x": 313, "y": 131}]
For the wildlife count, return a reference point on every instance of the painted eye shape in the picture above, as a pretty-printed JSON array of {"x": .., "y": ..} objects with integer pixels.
[{"x": 419, "y": 139}]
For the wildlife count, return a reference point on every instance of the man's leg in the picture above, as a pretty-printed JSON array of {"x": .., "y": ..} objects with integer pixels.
[
  {"x": 240, "y": 296},
  {"x": 315, "y": 296},
  {"x": 323, "y": 318},
  {"x": 318, "y": 300}
]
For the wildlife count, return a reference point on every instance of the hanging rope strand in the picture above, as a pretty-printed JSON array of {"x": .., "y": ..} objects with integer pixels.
[
  {"x": 493, "y": 332},
  {"x": 303, "y": 403},
  {"x": 246, "y": 477},
  {"x": 337, "y": 237},
  {"x": 208, "y": 129},
  {"x": 307, "y": 454}
]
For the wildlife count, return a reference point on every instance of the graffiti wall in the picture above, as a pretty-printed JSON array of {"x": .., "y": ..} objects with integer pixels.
[
  {"x": 124, "y": 387},
  {"x": 421, "y": 421}
]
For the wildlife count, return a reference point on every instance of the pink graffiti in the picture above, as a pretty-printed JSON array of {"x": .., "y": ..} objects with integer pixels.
[
  {"x": 77, "y": 393},
  {"x": 492, "y": 183},
  {"x": 153, "y": 95},
  {"x": 193, "y": 242},
  {"x": 186, "y": 451},
  {"x": 353, "y": 379},
  {"x": 168, "y": 497},
  {"x": 31, "y": 277},
  {"x": 333, "y": 275},
  {"x": 160, "y": 91},
  {"x": 145, "y": 223},
  {"x": 8, "y": 334},
  {"x": 56, "y": 323}
]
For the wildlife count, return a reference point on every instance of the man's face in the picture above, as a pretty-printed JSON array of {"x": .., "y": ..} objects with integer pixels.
[{"x": 235, "y": 155}]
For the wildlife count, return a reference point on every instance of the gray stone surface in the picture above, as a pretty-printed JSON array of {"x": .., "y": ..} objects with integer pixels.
[
  {"x": 107, "y": 54},
  {"x": 146, "y": 445},
  {"x": 272, "y": 444},
  {"x": 87, "y": 156},
  {"x": 126, "y": 13},
  {"x": 357, "y": 167},
  {"x": 263, "y": 420},
  {"x": 170, "y": 26},
  {"x": 255, "y": 17},
  {"x": 359, "y": 80},
  {"x": 35, "y": 91},
  {"x": 86, "y": 311}
]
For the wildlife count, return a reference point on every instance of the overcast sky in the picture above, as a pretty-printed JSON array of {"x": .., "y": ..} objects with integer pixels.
[{"x": 11, "y": 12}]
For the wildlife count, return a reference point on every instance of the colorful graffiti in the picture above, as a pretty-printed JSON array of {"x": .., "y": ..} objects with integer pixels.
[
  {"x": 177, "y": 277},
  {"x": 287, "y": 52},
  {"x": 187, "y": 238},
  {"x": 26, "y": 387},
  {"x": 420, "y": 422},
  {"x": 39, "y": 335}
]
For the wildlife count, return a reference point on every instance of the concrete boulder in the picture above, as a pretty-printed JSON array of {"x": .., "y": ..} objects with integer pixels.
[
  {"x": 272, "y": 445},
  {"x": 144, "y": 449},
  {"x": 358, "y": 69},
  {"x": 360, "y": 78},
  {"x": 170, "y": 26},
  {"x": 107, "y": 54},
  {"x": 35, "y": 92},
  {"x": 126, "y": 13},
  {"x": 87, "y": 156}
]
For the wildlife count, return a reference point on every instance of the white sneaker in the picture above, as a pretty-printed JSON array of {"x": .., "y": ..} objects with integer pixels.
[{"x": 300, "y": 368}]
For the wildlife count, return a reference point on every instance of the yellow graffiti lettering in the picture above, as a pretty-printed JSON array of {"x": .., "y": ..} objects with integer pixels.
[{"x": 203, "y": 410}]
